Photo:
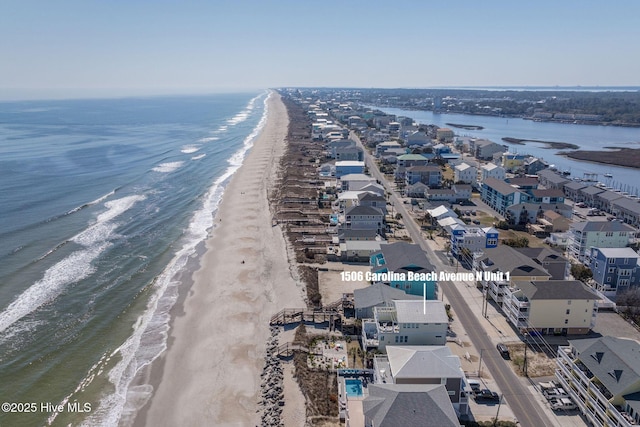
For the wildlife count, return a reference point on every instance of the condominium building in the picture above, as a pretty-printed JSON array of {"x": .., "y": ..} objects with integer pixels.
[
  {"x": 602, "y": 376},
  {"x": 598, "y": 234}
]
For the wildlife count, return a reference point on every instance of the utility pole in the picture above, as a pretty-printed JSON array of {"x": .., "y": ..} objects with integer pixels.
[
  {"x": 526, "y": 344},
  {"x": 495, "y": 421},
  {"x": 480, "y": 364}
]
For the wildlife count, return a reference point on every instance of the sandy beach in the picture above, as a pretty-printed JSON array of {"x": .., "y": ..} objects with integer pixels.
[{"x": 210, "y": 374}]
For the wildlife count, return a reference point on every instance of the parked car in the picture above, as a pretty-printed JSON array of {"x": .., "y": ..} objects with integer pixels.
[
  {"x": 563, "y": 404},
  {"x": 555, "y": 393},
  {"x": 487, "y": 395},
  {"x": 474, "y": 385},
  {"x": 503, "y": 350}
]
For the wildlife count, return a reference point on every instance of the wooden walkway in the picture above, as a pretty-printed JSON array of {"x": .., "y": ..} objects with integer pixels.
[{"x": 304, "y": 315}]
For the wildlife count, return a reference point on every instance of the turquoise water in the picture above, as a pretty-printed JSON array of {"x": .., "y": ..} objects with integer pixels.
[{"x": 353, "y": 387}]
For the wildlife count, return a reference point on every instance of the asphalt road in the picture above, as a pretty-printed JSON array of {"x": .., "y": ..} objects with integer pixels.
[{"x": 518, "y": 397}]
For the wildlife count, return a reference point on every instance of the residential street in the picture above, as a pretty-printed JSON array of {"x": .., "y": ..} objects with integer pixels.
[{"x": 517, "y": 396}]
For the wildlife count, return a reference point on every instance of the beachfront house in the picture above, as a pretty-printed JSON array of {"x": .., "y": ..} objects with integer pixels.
[
  {"x": 602, "y": 376},
  {"x": 615, "y": 270},
  {"x": 408, "y": 405},
  {"x": 364, "y": 218},
  {"x": 345, "y": 167},
  {"x": 377, "y": 295},
  {"x": 409, "y": 263},
  {"x": 408, "y": 322},
  {"x": 355, "y": 181},
  {"x": 423, "y": 364}
]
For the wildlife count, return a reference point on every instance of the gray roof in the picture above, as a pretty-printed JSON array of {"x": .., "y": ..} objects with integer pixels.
[
  {"x": 402, "y": 255},
  {"x": 592, "y": 189},
  {"x": 351, "y": 233},
  {"x": 557, "y": 290},
  {"x": 363, "y": 210},
  {"x": 372, "y": 197},
  {"x": 614, "y": 361},
  {"x": 423, "y": 361},
  {"x": 552, "y": 176},
  {"x": 420, "y": 311},
  {"x": 601, "y": 226},
  {"x": 409, "y": 405},
  {"x": 609, "y": 195},
  {"x": 628, "y": 204},
  {"x": 541, "y": 255},
  {"x": 506, "y": 259},
  {"x": 575, "y": 185},
  {"x": 618, "y": 252},
  {"x": 500, "y": 186},
  {"x": 542, "y": 206},
  {"x": 379, "y": 294},
  {"x": 424, "y": 168}
]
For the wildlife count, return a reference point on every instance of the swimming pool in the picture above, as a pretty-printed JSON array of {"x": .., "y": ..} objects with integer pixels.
[{"x": 353, "y": 387}]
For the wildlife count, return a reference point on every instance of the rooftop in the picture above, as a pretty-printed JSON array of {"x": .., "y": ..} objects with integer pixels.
[
  {"x": 557, "y": 290},
  {"x": 421, "y": 311}
]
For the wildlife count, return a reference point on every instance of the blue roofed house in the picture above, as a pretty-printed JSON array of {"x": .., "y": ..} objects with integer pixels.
[
  {"x": 402, "y": 257},
  {"x": 466, "y": 241},
  {"x": 615, "y": 270}
]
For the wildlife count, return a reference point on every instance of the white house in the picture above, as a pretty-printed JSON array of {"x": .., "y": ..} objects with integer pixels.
[
  {"x": 465, "y": 173},
  {"x": 408, "y": 322},
  {"x": 491, "y": 170}
]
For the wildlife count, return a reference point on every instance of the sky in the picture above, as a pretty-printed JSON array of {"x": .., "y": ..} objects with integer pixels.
[{"x": 76, "y": 48}]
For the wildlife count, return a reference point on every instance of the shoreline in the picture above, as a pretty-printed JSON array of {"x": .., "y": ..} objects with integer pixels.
[
  {"x": 550, "y": 144},
  {"x": 622, "y": 157},
  {"x": 210, "y": 372}
]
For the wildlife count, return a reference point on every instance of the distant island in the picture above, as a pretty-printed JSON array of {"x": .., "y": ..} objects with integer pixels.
[
  {"x": 467, "y": 127},
  {"x": 551, "y": 144},
  {"x": 628, "y": 157},
  {"x": 588, "y": 107}
]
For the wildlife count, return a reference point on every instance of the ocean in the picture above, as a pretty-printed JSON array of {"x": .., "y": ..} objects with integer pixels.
[{"x": 104, "y": 207}]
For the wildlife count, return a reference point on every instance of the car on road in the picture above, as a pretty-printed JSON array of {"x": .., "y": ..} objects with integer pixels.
[
  {"x": 503, "y": 350},
  {"x": 487, "y": 395}
]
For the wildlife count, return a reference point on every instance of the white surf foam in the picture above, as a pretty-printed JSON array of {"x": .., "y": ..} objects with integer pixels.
[
  {"x": 168, "y": 167},
  {"x": 188, "y": 149},
  {"x": 95, "y": 202},
  {"x": 149, "y": 338},
  {"x": 198, "y": 157},
  {"x": 73, "y": 268},
  {"x": 209, "y": 139},
  {"x": 244, "y": 114}
]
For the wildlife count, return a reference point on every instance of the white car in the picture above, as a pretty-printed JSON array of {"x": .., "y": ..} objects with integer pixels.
[{"x": 563, "y": 404}]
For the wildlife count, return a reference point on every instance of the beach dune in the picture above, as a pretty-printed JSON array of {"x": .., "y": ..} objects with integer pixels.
[{"x": 210, "y": 374}]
